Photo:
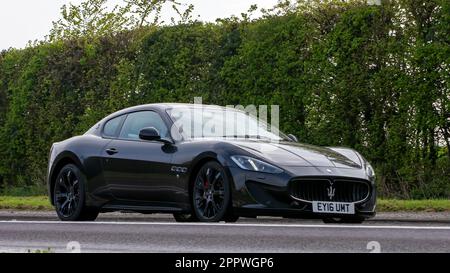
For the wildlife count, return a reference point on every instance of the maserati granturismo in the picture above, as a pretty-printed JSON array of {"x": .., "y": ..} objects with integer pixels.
[{"x": 207, "y": 164}]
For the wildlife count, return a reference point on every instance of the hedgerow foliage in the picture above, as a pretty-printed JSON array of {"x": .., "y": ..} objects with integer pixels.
[{"x": 374, "y": 78}]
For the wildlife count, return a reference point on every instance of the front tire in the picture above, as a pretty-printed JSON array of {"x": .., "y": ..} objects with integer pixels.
[
  {"x": 211, "y": 194},
  {"x": 69, "y": 196}
]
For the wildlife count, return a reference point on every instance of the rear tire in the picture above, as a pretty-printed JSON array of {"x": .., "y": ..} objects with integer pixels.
[{"x": 69, "y": 195}]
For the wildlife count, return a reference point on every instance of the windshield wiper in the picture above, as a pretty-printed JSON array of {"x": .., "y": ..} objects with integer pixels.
[{"x": 249, "y": 137}]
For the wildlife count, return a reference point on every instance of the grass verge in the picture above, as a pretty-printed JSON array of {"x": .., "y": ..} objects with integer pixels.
[
  {"x": 25, "y": 203},
  {"x": 431, "y": 205},
  {"x": 384, "y": 205}
]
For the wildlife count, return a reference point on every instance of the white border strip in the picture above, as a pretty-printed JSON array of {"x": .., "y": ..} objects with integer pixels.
[{"x": 228, "y": 225}]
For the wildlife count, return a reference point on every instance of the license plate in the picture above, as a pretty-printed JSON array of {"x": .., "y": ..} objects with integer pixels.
[{"x": 333, "y": 207}]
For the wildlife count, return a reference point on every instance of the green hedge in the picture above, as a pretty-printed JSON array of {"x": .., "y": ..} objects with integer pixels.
[{"x": 375, "y": 78}]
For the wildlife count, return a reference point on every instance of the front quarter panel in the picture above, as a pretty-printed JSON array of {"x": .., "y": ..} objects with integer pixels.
[{"x": 191, "y": 155}]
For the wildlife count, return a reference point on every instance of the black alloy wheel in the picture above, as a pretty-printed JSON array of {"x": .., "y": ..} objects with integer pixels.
[
  {"x": 211, "y": 193},
  {"x": 69, "y": 196}
]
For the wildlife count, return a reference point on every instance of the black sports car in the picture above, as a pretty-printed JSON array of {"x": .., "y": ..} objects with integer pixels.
[{"x": 151, "y": 159}]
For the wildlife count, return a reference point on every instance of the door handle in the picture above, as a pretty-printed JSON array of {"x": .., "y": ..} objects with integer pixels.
[{"x": 112, "y": 151}]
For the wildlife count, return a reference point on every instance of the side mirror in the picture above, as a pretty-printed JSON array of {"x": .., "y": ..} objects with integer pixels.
[
  {"x": 293, "y": 138},
  {"x": 150, "y": 134}
]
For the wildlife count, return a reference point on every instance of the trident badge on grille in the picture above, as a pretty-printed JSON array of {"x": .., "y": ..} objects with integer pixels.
[{"x": 331, "y": 191}]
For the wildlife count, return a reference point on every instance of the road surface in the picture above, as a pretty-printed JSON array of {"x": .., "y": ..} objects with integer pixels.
[{"x": 162, "y": 234}]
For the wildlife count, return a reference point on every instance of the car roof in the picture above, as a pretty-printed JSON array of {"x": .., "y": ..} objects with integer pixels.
[
  {"x": 161, "y": 107},
  {"x": 185, "y": 105}
]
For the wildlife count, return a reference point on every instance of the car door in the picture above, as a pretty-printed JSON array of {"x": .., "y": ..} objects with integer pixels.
[{"x": 138, "y": 170}]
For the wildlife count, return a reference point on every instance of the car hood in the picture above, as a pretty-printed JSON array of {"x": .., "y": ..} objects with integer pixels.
[{"x": 301, "y": 155}]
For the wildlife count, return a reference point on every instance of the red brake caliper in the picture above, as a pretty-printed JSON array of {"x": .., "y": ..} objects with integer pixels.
[{"x": 206, "y": 184}]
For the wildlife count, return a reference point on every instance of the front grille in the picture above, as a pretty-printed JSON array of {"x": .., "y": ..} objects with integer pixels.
[{"x": 329, "y": 189}]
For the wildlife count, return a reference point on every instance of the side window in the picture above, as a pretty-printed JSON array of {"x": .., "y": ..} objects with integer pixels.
[
  {"x": 112, "y": 127},
  {"x": 135, "y": 122}
]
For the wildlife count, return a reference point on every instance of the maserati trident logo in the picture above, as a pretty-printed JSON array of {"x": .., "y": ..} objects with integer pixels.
[{"x": 331, "y": 191}]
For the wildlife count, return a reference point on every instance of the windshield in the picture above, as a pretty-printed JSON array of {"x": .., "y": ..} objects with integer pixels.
[{"x": 225, "y": 123}]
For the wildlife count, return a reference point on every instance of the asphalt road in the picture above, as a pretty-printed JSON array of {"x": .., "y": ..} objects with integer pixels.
[{"x": 161, "y": 234}]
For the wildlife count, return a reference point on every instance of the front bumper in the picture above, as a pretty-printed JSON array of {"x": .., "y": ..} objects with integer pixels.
[{"x": 257, "y": 194}]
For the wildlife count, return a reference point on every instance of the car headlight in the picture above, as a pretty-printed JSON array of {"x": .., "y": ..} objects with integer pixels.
[
  {"x": 252, "y": 164},
  {"x": 369, "y": 171}
]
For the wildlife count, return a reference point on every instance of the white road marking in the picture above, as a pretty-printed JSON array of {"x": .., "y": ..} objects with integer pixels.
[{"x": 230, "y": 225}]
